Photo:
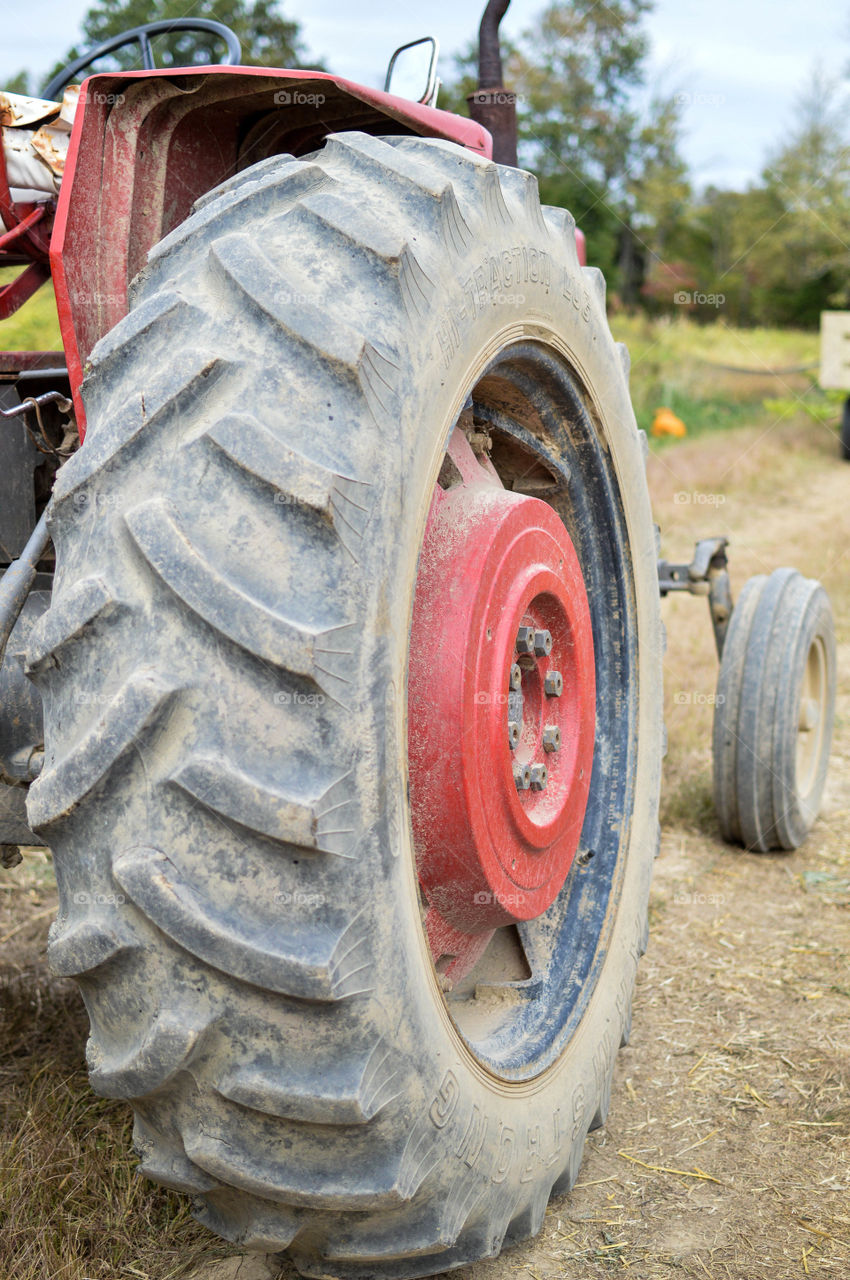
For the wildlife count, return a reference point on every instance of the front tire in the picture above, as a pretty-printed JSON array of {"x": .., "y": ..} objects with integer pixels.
[
  {"x": 774, "y": 712},
  {"x": 224, "y": 672}
]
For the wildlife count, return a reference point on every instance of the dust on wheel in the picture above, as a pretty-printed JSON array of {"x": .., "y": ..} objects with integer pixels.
[
  {"x": 366, "y": 569},
  {"x": 774, "y": 712}
]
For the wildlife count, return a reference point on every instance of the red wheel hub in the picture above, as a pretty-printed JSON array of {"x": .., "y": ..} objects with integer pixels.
[{"x": 501, "y": 699}]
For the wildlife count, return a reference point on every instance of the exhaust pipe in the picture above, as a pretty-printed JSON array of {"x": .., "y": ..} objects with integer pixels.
[{"x": 492, "y": 105}]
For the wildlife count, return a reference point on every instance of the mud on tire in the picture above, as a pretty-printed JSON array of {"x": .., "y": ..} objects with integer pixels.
[{"x": 223, "y": 671}]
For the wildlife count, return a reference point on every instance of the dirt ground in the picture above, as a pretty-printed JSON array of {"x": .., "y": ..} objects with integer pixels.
[{"x": 726, "y": 1152}]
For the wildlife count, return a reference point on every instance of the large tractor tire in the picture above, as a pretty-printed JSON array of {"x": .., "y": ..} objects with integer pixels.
[{"x": 362, "y": 967}]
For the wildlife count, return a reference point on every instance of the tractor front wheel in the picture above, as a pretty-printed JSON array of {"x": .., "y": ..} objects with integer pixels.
[
  {"x": 352, "y": 687},
  {"x": 774, "y": 712}
]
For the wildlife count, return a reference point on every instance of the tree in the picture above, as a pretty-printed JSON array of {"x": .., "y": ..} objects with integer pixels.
[
  {"x": 20, "y": 82},
  {"x": 779, "y": 250},
  {"x": 805, "y": 264},
  {"x": 268, "y": 39},
  {"x": 597, "y": 147}
]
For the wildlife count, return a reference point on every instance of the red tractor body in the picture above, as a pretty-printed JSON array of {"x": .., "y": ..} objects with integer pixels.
[{"x": 147, "y": 144}]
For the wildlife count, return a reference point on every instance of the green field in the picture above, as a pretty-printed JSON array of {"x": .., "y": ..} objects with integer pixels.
[
  {"x": 716, "y": 377},
  {"x": 713, "y": 376},
  {"x": 35, "y": 326}
]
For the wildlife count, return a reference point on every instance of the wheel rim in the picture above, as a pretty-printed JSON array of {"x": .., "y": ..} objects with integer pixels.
[
  {"x": 811, "y": 719},
  {"x": 502, "y": 939},
  {"x": 501, "y": 702}
]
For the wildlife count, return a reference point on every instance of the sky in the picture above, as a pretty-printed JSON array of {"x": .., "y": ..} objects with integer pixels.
[{"x": 739, "y": 64}]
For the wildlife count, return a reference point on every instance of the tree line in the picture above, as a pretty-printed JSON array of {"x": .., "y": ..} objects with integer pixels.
[{"x": 607, "y": 147}]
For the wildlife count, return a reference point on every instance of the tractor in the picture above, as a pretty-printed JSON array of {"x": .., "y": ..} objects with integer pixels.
[{"x": 332, "y": 647}]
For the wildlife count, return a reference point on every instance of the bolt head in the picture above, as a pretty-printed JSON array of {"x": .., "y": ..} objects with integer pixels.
[
  {"x": 516, "y": 676},
  {"x": 522, "y": 777},
  {"x": 525, "y": 640},
  {"x": 553, "y": 684},
  {"x": 542, "y": 643},
  {"x": 539, "y": 777},
  {"x": 551, "y": 738},
  {"x": 513, "y": 733}
]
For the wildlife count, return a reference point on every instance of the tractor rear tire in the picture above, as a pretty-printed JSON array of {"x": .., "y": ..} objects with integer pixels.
[
  {"x": 774, "y": 712},
  {"x": 223, "y": 669}
]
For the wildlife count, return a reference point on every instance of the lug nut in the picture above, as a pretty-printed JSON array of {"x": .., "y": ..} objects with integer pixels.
[
  {"x": 525, "y": 640},
  {"x": 539, "y": 777},
  {"x": 516, "y": 677},
  {"x": 553, "y": 684},
  {"x": 513, "y": 734},
  {"x": 542, "y": 643},
  {"x": 551, "y": 738},
  {"x": 522, "y": 777}
]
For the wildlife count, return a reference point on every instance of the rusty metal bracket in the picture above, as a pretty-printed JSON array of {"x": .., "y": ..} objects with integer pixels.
[{"x": 706, "y": 575}]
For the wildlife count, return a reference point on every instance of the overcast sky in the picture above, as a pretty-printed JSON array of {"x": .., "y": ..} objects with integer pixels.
[{"x": 740, "y": 63}]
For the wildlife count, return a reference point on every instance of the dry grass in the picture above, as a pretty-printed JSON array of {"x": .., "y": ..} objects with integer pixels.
[
  {"x": 726, "y": 1153},
  {"x": 35, "y": 326},
  {"x": 71, "y": 1205}
]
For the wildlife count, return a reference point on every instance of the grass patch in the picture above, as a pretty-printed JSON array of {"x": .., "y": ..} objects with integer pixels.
[
  {"x": 699, "y": 415},
  {"x": 72, "y": 1205},
  {"x": 715, "y": 377},
  {"x": 35, "y": 325}
]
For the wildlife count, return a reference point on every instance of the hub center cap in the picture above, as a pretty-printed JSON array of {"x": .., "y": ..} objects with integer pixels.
[{"x": 501, "y": 699}]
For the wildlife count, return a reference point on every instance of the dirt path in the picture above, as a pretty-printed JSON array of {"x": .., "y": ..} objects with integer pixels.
[{"x": 726, "y": 1150}]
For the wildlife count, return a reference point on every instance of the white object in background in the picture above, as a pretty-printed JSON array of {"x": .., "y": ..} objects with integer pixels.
[
  {"x": 835, "y": 350},
  {"x": 35, "y": 156}
]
